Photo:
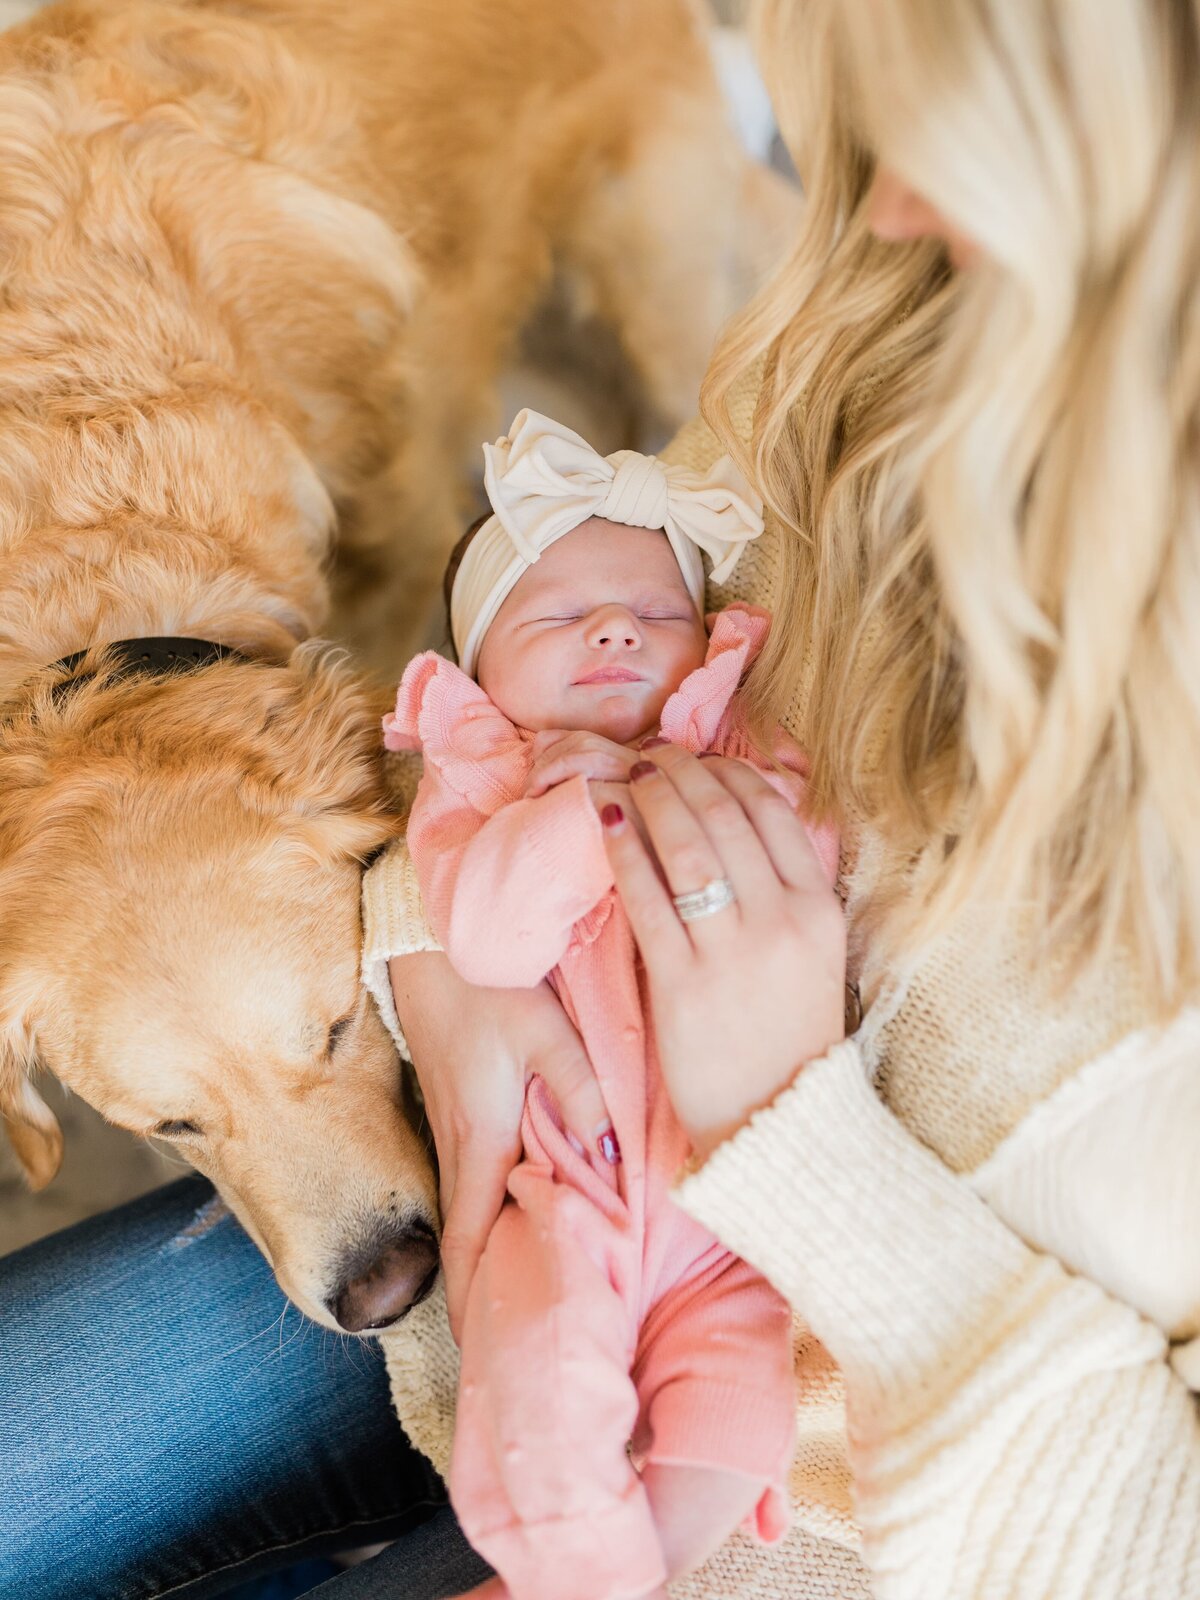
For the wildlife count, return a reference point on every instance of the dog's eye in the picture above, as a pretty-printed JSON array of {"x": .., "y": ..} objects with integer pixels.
[
  {"x": 336, "y": 1032},
  {"x": 177, "y": 1128}
]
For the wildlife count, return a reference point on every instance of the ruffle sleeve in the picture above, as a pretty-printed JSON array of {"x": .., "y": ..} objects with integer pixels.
[
  {"x": 461, "y": 734},
  {"x": 695, "y": 717}
]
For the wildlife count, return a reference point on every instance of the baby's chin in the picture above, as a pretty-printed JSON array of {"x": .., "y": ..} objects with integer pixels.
[
  {"x": 629, "y": 732},
  {"x": 622, "y": 718}
]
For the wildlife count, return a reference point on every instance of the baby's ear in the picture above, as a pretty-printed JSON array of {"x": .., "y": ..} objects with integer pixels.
[{"x": 32, "y": 1127}]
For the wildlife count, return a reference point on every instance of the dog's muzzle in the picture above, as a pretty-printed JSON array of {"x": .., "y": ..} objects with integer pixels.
[{"x": 378, "y": 1286}]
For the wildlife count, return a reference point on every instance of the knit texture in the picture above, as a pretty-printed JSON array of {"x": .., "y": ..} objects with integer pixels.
[
  {"x": 982, "y": 1210},
  {"x": 1014, "y": 1430}
]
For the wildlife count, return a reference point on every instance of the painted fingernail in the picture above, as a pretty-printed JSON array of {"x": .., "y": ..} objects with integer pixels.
[
  {"x": 612, "y": 816},
  {"x": 654, "y": 742},
  {"x": 642, "y": 769},
  {"x": 609, "y": 1148}
]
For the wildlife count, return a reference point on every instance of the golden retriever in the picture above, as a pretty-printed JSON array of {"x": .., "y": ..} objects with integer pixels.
[{"x": 260, "y": 266}]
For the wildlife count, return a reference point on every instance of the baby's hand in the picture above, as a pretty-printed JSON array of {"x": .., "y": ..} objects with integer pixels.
[{"x": 559, "y": 756}]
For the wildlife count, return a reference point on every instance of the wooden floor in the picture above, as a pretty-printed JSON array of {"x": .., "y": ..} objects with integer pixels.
[{"x": 101, "y": 1167}]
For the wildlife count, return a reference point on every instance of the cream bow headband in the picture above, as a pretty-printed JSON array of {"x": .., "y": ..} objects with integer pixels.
[{"x": 543, "y": 481}]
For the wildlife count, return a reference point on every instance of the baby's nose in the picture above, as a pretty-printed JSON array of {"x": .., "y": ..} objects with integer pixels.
[{"x": 613, "y": 626}]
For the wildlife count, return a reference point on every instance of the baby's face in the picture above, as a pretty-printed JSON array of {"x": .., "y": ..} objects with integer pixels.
[{"x": 596, "y": 636}]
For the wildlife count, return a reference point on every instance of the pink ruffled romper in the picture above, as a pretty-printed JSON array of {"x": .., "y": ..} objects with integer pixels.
[{"x": 604, "y": 1327}]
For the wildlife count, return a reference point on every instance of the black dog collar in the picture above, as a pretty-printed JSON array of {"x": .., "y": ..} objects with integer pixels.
[{"x": 148, "y": 657}]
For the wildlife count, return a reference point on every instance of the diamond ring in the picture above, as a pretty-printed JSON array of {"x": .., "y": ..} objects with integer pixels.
[{"x": 705, "y": 902}]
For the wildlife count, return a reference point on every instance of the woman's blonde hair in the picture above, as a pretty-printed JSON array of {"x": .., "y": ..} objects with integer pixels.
[{"x": 992, "y": 477}]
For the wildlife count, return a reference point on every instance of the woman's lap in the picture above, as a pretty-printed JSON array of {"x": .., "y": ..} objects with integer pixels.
[
  {"x": 169, "y": 1424},
  {"x": 431, "y": 1563}
]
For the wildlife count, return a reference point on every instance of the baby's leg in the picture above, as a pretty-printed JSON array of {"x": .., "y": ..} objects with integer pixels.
[
  {"x": 715, "y": 1378},
  {"x": 494, "y": 1589},
  {"x": 695, "y": 1510},
  {"x": 540, "y": 1477}
]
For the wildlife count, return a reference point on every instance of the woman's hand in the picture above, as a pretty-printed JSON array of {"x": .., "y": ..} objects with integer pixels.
[
  {"x": 604, "y": 795},
  {"x": 742, "y": 997},
  {"x": 474, "y": 1051},
  {"x": 559, "y": 756}
]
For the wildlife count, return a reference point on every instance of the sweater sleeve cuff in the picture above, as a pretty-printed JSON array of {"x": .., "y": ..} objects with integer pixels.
[
  {"x": 893, "y": 1261},
  {"x": 394, "y": 924}
]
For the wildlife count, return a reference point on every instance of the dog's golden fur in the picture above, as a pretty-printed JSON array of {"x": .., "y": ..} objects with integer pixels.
[{"x": 259, "y": 270}]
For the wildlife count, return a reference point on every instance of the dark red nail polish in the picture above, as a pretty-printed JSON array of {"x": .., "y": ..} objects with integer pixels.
[
  {"x": 642, "y": 769},
  {"x": 654, "y": 742},
  {"x": 612, "y": 816},
  {"x": 609, "y": 1148}
]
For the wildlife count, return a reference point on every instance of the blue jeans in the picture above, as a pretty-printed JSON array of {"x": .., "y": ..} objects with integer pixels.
[{"x": 170, "y": 1425}]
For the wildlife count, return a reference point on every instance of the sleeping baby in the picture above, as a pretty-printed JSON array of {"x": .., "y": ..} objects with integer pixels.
[{"x": 626, "y": 1397}]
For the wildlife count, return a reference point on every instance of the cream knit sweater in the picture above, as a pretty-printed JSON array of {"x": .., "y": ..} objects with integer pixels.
[{"x": 985, "y": 1210}]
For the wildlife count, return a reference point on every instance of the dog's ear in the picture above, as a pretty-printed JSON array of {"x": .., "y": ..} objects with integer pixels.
[
  {"x": 320, "y": 751},
  {"x": 32, "y": 1127}
]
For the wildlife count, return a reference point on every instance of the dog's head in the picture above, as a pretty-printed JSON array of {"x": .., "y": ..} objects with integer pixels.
[{"x": 180, "y": 871}]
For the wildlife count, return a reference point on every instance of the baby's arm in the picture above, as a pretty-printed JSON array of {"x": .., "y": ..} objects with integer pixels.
[{"x": 503, "y": 892}]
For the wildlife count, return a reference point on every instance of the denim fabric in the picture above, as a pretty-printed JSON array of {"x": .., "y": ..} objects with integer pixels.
[
  {"x": 431, "y": 1563},
  {"x": 289, "y": 1584},
  {"x": 170, "y": 1425}
]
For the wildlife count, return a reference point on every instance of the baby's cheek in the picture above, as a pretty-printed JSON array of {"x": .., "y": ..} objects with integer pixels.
[
  {"x": 688, "y": 658},
  {"x": 520, "y": 688}
]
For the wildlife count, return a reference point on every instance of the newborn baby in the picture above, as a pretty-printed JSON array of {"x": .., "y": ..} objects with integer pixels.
[{"x": 626, "y": 1391}]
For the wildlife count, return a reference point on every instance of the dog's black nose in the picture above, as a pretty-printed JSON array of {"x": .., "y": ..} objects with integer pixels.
[{"x": 389, "y": 1285}]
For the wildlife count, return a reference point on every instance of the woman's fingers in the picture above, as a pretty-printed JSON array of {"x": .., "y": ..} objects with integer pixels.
[
  {"x": 532, "y": 1025},
  {"x": 783, "y": 836},
  {"x": 647, "y": 902},
  {"x": 561, "y": 1061},
  {"x": 483, "y": 1150},
  {"x": 471, "y": 1202},
  {"x": 699, "y": 829},
  {"x": 474, "y": 1050}
]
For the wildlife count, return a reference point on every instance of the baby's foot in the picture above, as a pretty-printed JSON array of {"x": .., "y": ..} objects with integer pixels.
[{"x": 494, "y": 1589}]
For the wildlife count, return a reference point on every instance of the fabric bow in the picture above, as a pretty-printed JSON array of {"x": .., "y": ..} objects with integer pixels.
[{"x": 543, "y": 480}]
